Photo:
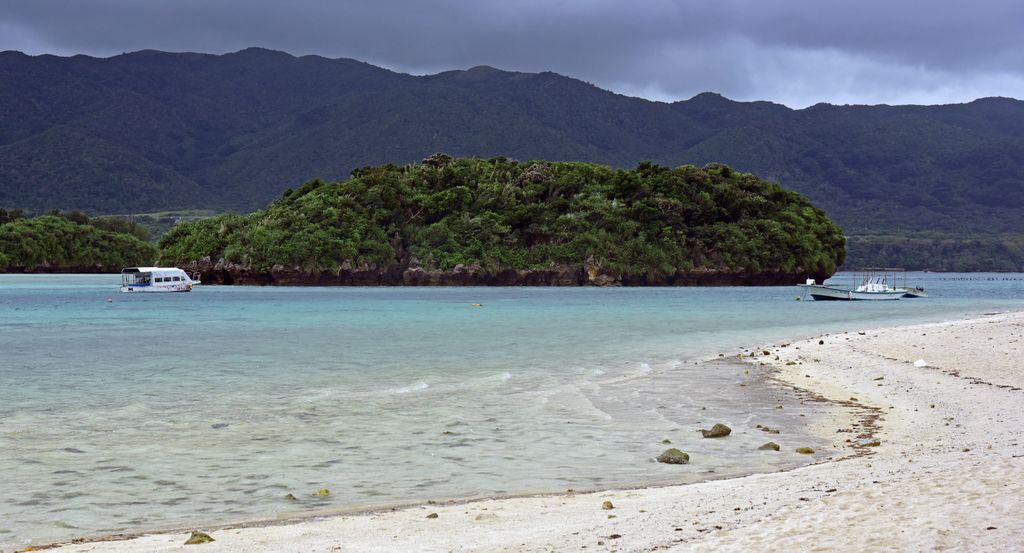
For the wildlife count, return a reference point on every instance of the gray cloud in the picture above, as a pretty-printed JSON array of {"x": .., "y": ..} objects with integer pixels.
[{"x": 796, "y": 52}]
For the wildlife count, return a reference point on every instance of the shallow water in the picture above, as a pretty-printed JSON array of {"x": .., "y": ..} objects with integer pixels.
[{"x": 168, "y": 410}]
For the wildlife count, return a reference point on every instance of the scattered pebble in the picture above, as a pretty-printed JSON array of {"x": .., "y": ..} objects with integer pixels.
[
  {"x": 198, "y": 537},
  {"x": 719, "y": 430},
  {"x": 673, "y": 456}
]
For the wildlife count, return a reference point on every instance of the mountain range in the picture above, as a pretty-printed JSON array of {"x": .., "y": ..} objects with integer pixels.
[{"x": 150, "y": 131}]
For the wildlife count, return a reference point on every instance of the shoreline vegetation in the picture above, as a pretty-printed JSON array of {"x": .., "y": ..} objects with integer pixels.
[
  {"x": 70, "y": 242},
  {"x": 929, "y": 459},
  {"x": 451, "y": 221}
]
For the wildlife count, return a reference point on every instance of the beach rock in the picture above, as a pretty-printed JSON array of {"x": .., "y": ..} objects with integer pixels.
[
  {"x": 770, "y": 445},
  {"x": 432, "y": 515},
  {"x": 666, "y": 441},
  {"x": 805, "y": 451},
  {"x": 821, "y": 342},
  {"x": 869, "y": 442},
  {"x": 486, "y": 516},
  {"x": 198, "y": 537},
  {"x": 673, "y": 456},
  {"x": 291, "y": 497},
  {"x": 607, "y": 506},
  {"x": 719, "y": 430},
  {"x": 322, "y": 493}
]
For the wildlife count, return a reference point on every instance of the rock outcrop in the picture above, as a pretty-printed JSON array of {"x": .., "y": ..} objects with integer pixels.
[
  {"x": 410, "y": 273},
  {"x": 673, "y": 456},
  {"x": 719, "y": 430}
]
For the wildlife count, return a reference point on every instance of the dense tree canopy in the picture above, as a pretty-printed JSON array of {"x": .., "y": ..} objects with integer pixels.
[
  {"x": 70, "y": 241},
  {"x": 938, "y": 252},
  {"x": 155, "y": 131},
  {"x": 502, "y": 214}
]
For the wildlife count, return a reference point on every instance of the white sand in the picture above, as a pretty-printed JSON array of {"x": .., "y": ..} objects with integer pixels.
[{"x": 948, "y": 475}]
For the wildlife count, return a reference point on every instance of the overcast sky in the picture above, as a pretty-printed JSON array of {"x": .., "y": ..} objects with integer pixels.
[{"x": 795, "y": 52}]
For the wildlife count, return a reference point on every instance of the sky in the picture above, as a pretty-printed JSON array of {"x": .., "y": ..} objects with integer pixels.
[{"x": 793, "y": 52}]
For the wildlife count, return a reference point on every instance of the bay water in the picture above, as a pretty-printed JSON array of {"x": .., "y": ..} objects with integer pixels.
[{"x": 154, "y": 411}]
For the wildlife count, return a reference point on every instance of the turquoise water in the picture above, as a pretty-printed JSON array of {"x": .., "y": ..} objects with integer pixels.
[{"x": 170, "y": 410}]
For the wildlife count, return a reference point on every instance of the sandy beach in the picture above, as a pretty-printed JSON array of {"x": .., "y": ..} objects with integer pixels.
[{"x": 947, "y": 473}]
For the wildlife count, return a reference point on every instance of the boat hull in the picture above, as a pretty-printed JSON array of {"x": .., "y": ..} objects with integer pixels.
[
  {"x": 828, "y": 293},
  {"x": 176, "y": 287}
]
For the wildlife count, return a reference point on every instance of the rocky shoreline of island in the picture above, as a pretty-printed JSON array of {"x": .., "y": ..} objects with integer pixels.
[{"x": 410, "y": 273}]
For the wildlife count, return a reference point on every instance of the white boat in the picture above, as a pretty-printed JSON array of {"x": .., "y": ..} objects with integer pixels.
[
  {"x": 914, "y": 292},
  {"x": 868, "y": 291},
  {"x": 875, "y": 284},
  {"x": 155, "y": 279}
]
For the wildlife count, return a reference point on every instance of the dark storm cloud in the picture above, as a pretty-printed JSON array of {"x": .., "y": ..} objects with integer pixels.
[{"x": 796, "y": 52}]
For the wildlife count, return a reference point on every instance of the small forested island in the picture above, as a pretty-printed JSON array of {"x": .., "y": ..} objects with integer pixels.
[
  {"x": 70, "y": 242},
  {"x": 457, "y": 221}
]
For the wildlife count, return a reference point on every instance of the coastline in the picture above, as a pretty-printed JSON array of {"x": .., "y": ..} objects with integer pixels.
[
  {"x": 559, "y": 277},
  {"x": 944, "y": 471},
  {"x": 409, "y": 273}
]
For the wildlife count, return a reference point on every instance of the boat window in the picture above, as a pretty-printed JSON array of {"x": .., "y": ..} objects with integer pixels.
[{"x": 159, "y": 279}]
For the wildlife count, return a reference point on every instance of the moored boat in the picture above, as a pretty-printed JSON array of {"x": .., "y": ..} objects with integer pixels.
[
  {"x": 155, "y": 279},
  {"x": 914, "y": 292},
  {"x": 821, "y": 292},
  {"x": 875, "y": 284}
]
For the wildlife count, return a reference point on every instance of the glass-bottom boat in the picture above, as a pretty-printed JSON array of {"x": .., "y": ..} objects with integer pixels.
[{"x": 155, "y": 279}]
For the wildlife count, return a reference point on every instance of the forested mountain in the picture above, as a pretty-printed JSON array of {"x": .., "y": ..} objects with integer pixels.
[
  {"x": 499, "y": 221},
  {"x": 152, "y": 130}
]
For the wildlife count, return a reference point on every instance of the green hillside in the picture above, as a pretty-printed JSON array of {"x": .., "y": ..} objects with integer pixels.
[
  {"x": 70, "y": 242},
  {"x": 588, "y": 222},
  {"x": 152, "y": 131}
]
